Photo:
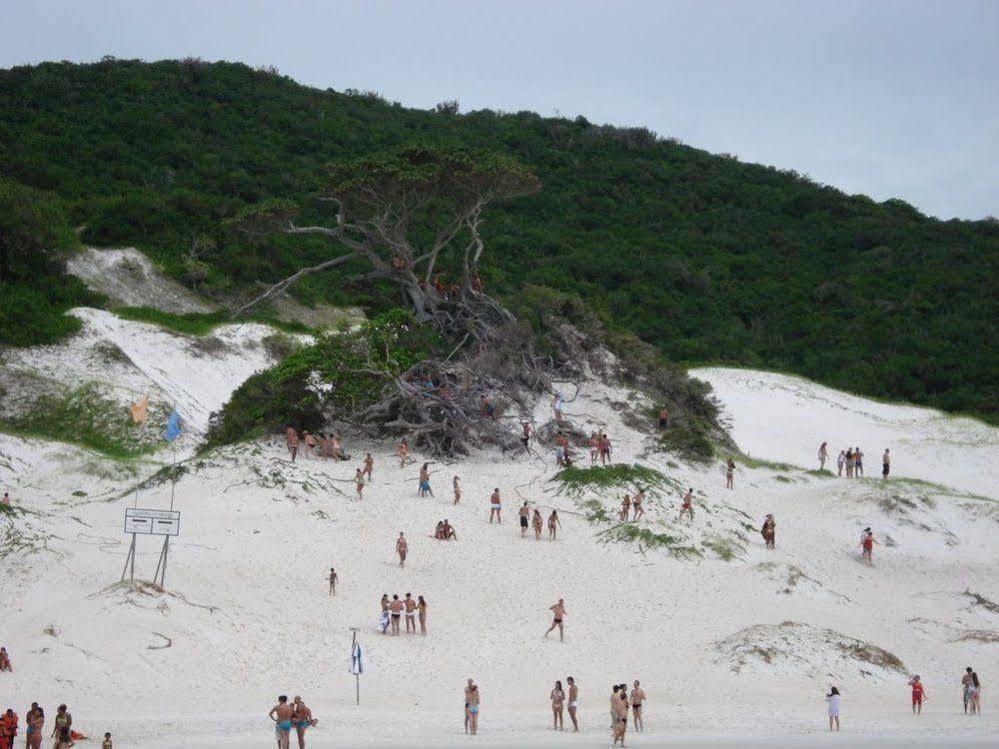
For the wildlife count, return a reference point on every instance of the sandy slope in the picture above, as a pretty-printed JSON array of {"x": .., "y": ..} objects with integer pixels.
[{"x": 248, "y": 617}]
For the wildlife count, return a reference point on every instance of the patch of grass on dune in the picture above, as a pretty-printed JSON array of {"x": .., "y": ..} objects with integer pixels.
[
  {"x": 648, "y": 539},
  {"x": 575, "y": 481}
]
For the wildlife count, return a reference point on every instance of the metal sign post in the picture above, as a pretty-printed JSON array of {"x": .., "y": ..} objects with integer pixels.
[
  {"x": 164, "y": 523},
  {"x": 355, "y": 665}
]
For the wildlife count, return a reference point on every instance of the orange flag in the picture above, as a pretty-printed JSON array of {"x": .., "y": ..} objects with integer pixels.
[{"x": 139, "y": 410}]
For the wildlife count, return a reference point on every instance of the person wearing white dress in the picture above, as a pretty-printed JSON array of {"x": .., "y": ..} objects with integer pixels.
[{"x": 832, "y": 703}]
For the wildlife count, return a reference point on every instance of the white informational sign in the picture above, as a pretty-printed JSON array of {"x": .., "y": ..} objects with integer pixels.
[{"x": 152, "y": 522}]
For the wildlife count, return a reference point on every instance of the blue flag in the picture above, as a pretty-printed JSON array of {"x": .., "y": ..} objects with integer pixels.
[{"x": 172, "y": 427}]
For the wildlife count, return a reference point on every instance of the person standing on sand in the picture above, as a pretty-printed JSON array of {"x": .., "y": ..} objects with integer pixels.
[
  {"x": 558, "y": 403},
  {"x": 495, "y": 507},
  {"x": 559, "y": 612},
  {"x": 832, "y": 707},
  {"x": 621, "y": 715},
  {"x": 332, "y": 581},
  {"x": 525, "y": 514},
  {"x": 6, "y": 500},
  {"x": 302, "y": 719},
  {"x": 688, "y": 505},
  {"x": 858, "y": 464},
  {"x": 840, "y": 462},
  {"x": 553, "y": 524},
  {"x": 625, "y": 509},
  {"x": 557, "y": 697},
  {"x": 537, "y": 523},
  {"x": 918, "y": 695},
  {"x": 5, "y": 664},
  {"x": 730, "y": 474},
  {"x": 421, "y": 611},
  {"x": 573, "y": 702},
  {"x": 402, "y": 450},
  {"x": 823, "y": 454},
  {"x": 525, "y": 437},
  {"x": 310, "y": 444},
  {"x": 867, "y": 546},
  {"x": 425, "y": 481},
  {"x": 594, "y": 445},
  {"x": 605, "y": 449},
  {"x": 636, "y": 504},
  {"x": 359, "y": 484},
  {"x": 395, "y": 610},
  {"x": 663, "y": 419},
  {"x": 401, "y": 548},
  {"x": 769, "y": 531},
  {"x": 291, "y": 440},
  {"x": 637, "y": 700},
  {"x": 369, "y": 466},
  {"x": 282, "y": 714},
  {"x": 474, "y": 698},
  {"x": 62, "y": 721},
  {"x": 456, "y": 485},
  {"x": 849, "y": 462},
  {"x": 410, "y": 605},
  {"x": 885, "y": 465},
  {"x": 468, "y": 696}
]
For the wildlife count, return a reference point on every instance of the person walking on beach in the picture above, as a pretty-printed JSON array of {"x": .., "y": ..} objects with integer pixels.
[
  {"x": 620, "y": 710},
  {"x": 636, "y": 504},
  {"x": 421, "y": 613},
  {"x": 840, "y": 462},
  {"x": 332, "y": 581},
  {"x": 369, "y": 466},
  {"x": 730, "y": 474},
  {"x": 688, "y": 505},
  {"x": 573, "y": 702},
  {"x": 918, "y": 694},
  {"x": 885, "y": 465},
  {"x": 401, "y": 548},
  {"x": 525, "y": 437},
  {"x": 402, "y": 451},
  {"x": 468, "y": 696},
  {"x": 525, "y": 517},
  {"x": 63, "y": 721},
  {"x": 858, "y": 463},
  {"x": 456, "y": 485},
  {"x": 291, "y": 440},
  {"x": 282, "y": 714},
  {"x": 637, "y": 700},
  {"x": 823, "y": 454},
  {"x": 425, "y": 481},
  {"x": 495, "y": 506},
  {"x": 832, "y": 707},
  {"x": 553, "y": 524},
  {"x": 605, "y": 449},
  {"x": 625, "y": 509},
  {"x": 359, "y": 483},
  {"x": 537, "y": 523},
  {"x": 474, "y": 700},
  {"x": 395, "y": 610},
  {"x": 557, "y": 697},
  {"x": 849, "y": 462},
  {"x": 769, "y": 531},
  {"x": 559, "y": 612},
  {"x": 867, "y": 546},
  {"x": 968, "y": 686}
]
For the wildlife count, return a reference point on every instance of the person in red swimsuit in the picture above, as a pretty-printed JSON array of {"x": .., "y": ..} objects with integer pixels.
[{"x": 918, "y": 693}]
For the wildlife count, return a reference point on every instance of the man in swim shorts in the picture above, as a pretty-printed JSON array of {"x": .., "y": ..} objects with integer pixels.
[
  {"x": 525, "y": 514},
  {"x": 395, "y": 609},
  {"x": 332, "y": 581},
  {"x": 573, "y": 702},
  {"x": 637, "y": 698},
  {"x": 558, "y": 612},
  {"x": 281, "y": 714},
  {"x": 302, "y": 720},
  {"x": 688, "y": 504},
  {"x": 885, "y": 464},
  {"x": 410, "y": 605},
  {"x": 494, "y": 506}
]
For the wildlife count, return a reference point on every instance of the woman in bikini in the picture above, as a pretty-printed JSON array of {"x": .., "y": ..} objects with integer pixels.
[
  {"x": 536, "y": 523},
  {"x": 625, "y": 509},
  {"x": 553, "y": 524},
  {"x": 456, "y": 483},
  {"x": 558, "y": 700},
  {"x": 33, "y": 734},
  {"x": 359, "y": 483},
  {"x": 730, "y": 474},
  {"x": 473, "y": 709},
  {"x": 310, "y": 444},
  {"x": 301, "y": 719},
  {"x": 369, "y": 466},
  {"x": 421, "y": 613}
]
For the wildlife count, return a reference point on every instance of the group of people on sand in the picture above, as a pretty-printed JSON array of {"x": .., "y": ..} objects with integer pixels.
[
  {"x": 295, "y": 716},
  {"x": 851, "y": 461},
  {"x": 533, "y": 519},
  {"x": 633, "y": 503},
  {"x": 620, "y": 702},
  {"x": 560, "y": 699},
  {"x": 600, "y": 448},
  {"x": 393, "y": 610},
  {"x": 319, "y": 445},
  {"x": 63, "y": 736}
]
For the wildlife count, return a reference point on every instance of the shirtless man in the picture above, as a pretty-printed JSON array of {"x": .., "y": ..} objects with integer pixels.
[
  {"x": 730, "y": 474},
  {"x": 401, "y": 547},
  {"x": 537, "y": 523},
  {"x": 525, "y": 437},
  {"x": 573, "y": 702},
  {"x": 637, "y": 698},
  {"x": 282, "y": 714},
  {"x": 310, "y": 444},
  {"x": 558, "y": 612},
  {"x": 621, "y": 713},
  {"x": 885, "y": 465},
  {"x": 302, "y": 719},
  {"x": 524, "y": 513},
  {"x": 425, "y": 489},
  {"x": 594, "y": 444},
  {"x": 636, "y": 504},
  {"x": 291, "y": 440},
  {"x": 494, "y": 506},
  {"x": 468, "y": 695},
  {"x": 688, "y": 505},
  {"x": 858, "y": 464},
  {"x": 369, "y": 466},
  {"x": 402, "y": 450},
  {"x": 449, "y": 532},
  {"x": 410, "y": 605},
  {"x": 395, "y": 610},
  {"x": 456, "y": 483},
  {"x": 332, "y": 581},
  {"x": 605, "y": 449}
]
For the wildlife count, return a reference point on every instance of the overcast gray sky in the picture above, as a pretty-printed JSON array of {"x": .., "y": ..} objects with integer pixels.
[{"x": 892, "y": 98}]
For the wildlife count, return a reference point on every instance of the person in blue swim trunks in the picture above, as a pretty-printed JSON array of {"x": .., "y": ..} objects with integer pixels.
[
  {"x": 302, "y": 719},
  {"x": 282, "y": 714}
]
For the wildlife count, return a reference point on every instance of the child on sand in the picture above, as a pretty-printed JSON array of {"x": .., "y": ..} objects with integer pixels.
[
  {"x": 832, "y": 708},
  {"x": 867, "y": 545},
  {"x": 107, "y": 743}
]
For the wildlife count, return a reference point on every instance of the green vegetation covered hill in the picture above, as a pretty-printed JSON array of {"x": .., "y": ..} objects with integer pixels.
[{"x": 707, "y": 258}]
